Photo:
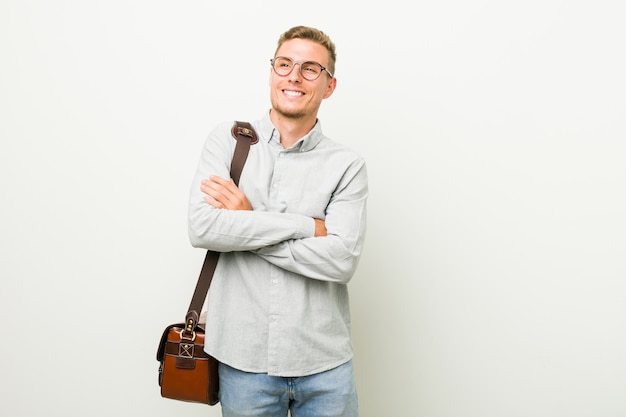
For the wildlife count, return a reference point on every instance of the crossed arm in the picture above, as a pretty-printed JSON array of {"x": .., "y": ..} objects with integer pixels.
[
  {"x": 224, "y": 194},
  {"x": 222, "y": 218}
]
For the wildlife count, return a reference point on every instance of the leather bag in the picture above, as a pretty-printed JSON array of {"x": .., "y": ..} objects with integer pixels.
[{"x": 186, "y": 371}]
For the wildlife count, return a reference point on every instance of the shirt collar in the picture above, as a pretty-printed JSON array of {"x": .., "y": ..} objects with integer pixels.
[{"x": 268, "y": 132}]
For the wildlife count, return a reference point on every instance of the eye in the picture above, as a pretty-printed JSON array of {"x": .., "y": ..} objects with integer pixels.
[
  {"x": 311, "y": 67},
  {"x": 283, "y": 63}
]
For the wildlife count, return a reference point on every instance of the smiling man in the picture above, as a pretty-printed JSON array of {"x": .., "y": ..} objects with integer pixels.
[{"x": 290, "y": 237}]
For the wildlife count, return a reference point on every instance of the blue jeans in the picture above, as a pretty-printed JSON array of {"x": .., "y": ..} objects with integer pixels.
[{"x": 327, "y": 394}]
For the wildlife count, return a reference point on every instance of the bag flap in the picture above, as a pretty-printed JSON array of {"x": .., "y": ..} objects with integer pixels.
[{"x": 161, "y": 348}]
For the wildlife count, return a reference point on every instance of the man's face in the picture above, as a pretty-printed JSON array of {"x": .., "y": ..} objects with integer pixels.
[{"x": 293, "y": 96}]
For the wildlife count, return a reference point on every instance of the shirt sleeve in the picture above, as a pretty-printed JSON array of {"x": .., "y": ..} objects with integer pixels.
[
  {"x": 334, "y": 257},
  {"x": 235, "y": 230}
]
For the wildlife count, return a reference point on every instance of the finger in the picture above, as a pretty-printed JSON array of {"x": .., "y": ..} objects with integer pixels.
[
  {"x": 213, "y": 202},
  {"x": 219, "y": 184},
  {"x": 222, "y": 181},
  {"x": 225, "y": 191},
  {"x": 227, "y": 198}
]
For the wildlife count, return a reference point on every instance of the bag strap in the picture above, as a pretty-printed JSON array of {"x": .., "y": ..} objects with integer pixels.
[{"x": 245, "y": 135}]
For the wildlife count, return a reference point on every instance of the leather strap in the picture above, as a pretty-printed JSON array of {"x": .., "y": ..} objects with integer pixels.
[
  {"x": 245, "y": 135},
  {"x": 191, "y": 350}
]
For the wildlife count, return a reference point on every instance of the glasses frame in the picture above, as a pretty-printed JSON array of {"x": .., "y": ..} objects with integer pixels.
[{"x": 300, "y": 65}]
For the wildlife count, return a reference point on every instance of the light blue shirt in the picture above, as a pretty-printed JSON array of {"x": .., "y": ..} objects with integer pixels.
[{"x": 278, "y": 302}]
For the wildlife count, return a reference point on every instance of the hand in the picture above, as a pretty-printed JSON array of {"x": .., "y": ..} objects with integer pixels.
[
  {"x": 320, "y": 228},
  {"x": 224, "y": 194}
]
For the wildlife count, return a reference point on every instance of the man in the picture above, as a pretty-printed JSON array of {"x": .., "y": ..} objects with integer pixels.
[{"x": 290, "y": 238}]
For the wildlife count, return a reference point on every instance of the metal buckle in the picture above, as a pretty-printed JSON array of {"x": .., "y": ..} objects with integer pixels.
[
  {"x": 244, "y": 131},
  {"x": 182, "y": 332}
]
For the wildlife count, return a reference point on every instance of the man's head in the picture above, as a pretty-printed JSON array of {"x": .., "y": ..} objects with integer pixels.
[{"x": 302, "y": 74}]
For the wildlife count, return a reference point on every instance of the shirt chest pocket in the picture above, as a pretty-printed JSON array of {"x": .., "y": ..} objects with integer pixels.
[{"x": 301, "y": 196}]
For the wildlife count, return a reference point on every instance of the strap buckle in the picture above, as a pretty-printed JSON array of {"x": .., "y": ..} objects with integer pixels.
[{"x": 240, "y": 129}]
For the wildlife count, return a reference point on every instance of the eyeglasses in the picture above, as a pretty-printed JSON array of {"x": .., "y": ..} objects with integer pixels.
[{"x": 309, "y": 70}]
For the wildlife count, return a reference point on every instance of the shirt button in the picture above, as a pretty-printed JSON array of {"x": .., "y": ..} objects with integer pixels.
[{"x": 274, "y": 281}]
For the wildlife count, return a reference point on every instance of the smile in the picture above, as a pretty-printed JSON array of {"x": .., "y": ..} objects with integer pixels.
[{"x": 292, "y": 93}]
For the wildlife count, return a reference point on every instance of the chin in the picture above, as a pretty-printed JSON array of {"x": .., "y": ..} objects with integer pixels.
[{"x": 290, "y": 114}]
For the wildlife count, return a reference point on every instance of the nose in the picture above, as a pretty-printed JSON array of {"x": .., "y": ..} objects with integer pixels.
[{"x": 296, "y": 75}]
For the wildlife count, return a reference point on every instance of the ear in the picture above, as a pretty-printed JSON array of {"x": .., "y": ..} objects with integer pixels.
[{"x": 332, "y": 84}]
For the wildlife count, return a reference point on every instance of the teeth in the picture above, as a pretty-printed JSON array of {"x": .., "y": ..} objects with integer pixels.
[{"x": 293, "y": 93}]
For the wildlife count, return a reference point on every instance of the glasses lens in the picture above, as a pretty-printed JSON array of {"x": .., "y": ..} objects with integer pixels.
[
  {"x": 282, "y": 66},
  {"x": 311, "y": 70}
]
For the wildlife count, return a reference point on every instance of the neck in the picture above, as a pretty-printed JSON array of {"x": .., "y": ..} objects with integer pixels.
[{"x": 291, "y": 129}]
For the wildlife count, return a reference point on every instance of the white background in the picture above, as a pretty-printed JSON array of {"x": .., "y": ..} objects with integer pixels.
[{"x": 493, "y": 283}]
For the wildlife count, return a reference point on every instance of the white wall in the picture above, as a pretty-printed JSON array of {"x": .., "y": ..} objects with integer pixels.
[{"x": 493, "y": 281}]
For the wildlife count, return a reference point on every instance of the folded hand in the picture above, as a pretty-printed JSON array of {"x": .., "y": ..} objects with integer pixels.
[{"x": 224, "y": 194}]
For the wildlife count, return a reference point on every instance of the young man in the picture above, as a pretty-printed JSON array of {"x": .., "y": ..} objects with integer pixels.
[{"x": 290, "y": 238}]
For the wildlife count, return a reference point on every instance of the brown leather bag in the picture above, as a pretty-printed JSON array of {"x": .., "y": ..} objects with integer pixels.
[{"x": 186, "y": 371}]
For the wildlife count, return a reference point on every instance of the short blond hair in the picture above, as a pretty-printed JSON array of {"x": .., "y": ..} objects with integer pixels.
[{"x": 312, "y": 34}]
